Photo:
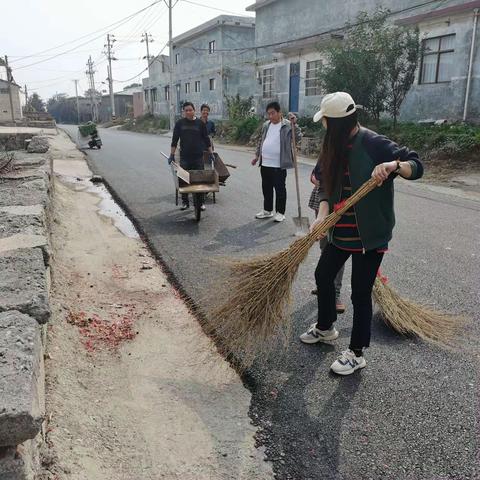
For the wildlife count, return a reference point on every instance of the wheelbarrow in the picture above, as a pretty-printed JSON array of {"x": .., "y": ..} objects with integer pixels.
[{"x": 200, "y": 183}]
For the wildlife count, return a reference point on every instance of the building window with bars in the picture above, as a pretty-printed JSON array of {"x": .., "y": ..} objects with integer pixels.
[
  {"x": 212, "y": 84},
  {"x": 267, "y": 81},
  {"x": 211, "y": 46},
  {"x": 187, "y": 87},
  {"x": 177, "y": 58},
  {"x": 197, "y": 86},
  {"x": 312, "y": 78},
  {"x": 167, "y": 92},
  {"x": 154, "y": 94},
  {"x": 437, "y": 59}
]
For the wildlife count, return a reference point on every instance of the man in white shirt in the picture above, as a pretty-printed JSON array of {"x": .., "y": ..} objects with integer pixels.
[{"x": 276, "y": 156}]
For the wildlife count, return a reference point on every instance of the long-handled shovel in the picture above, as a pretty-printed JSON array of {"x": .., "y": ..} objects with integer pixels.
[{"x": 300, "y": 222}]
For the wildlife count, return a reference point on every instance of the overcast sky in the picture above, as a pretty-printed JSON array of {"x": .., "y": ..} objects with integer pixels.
[{"x": 30, "y": 27}]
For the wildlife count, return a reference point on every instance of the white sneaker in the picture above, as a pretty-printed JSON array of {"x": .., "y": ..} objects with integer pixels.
[
  {"x": 264, "y": 214},
  {"x": 202, "y": 207},
  {"x": 347, "y": 363},
  {"x": 314, "y": 335},
  {"x": 279, "y": 217}
]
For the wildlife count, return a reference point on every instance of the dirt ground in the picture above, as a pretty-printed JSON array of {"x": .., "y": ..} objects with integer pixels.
[{"x": 135, "y": 390}]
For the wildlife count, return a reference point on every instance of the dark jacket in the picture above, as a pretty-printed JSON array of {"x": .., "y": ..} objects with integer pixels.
[
  {"x": 286, "y": 151},
  {"x": 193, "y": 138},
  {"x": 375, "y": 213}
]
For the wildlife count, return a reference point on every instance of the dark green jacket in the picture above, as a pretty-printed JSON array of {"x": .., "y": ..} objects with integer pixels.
[{"x": 375, "y": 213}]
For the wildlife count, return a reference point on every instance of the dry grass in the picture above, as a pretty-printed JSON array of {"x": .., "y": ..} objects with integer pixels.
[
  {"x": 409, "y": 318},
  {"x": 258, "y": 294}
]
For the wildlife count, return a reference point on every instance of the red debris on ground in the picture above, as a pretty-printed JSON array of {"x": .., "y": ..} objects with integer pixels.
[{"x": 97, "y": 332}]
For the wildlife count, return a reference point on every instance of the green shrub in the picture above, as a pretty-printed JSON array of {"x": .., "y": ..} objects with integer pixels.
[{"x": 147, "y": 124}]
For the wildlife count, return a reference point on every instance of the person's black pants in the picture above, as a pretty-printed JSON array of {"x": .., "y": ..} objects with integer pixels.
[
  {"x": 188, "y": 163},
  {"x": 364, "y": 271},
  {"x": 274, "y": 179}
]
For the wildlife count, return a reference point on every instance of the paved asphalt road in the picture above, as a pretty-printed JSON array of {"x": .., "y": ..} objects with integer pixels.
[{"x": 413, "y": 412}]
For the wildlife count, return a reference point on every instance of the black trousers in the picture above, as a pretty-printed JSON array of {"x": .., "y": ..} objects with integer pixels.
[
  {"x": 364, "y": 272},
  {"x": 188, "y": 163},
  {"x": 274, "y": 179}
]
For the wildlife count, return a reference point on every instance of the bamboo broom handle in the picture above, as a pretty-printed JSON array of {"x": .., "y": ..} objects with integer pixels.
[{"x": 334, "y": 217}]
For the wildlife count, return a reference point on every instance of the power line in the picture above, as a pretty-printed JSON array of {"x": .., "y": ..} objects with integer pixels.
[
  {"x": 214, "y": 8},
  {"x": 121, "y": 22},
  {"x": 314, "y": 35},
  {"x": 89, "y": 34}
]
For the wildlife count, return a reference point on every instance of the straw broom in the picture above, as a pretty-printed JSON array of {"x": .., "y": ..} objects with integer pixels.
[{"x": 258, "y": 295}]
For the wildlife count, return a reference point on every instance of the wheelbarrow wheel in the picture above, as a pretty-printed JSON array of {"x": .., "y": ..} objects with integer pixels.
[{"x": 197, "y": 204}]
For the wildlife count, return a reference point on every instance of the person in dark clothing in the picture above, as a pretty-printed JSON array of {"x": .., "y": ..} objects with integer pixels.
[
  {"x": 205, "y": 112},
  {"x": 350, "y": 156},
  {"x": 193, "y": 137}
]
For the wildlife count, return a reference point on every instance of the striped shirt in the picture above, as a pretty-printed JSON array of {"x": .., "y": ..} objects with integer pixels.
[{"x": 346, "y": 235}]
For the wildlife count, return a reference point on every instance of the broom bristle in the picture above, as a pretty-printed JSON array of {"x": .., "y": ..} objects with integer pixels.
[{"x": 409, "y": 318}]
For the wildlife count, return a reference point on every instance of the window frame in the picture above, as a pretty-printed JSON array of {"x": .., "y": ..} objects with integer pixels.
[
  {"x": 211, "y": 47},
  {"x": 187, "y": 88},
  {"x": 166, "y": 93},
  {"x": 177, "y": 59},
  {"x": 316, "y": 79},
  {"x": 438, "y": 53},
  {"x": 198, "y": 84},
  {"x": 212, "y": 81},
  {"x": 271, "y": 77}
]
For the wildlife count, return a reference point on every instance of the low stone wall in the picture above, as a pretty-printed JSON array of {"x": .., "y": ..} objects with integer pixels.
[{"x": 24, "y": 311}]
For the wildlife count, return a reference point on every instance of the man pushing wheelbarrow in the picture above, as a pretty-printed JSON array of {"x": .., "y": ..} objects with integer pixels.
[{"x": 193, "y": 136}]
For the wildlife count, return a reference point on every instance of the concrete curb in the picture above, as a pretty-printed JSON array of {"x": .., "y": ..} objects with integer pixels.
[{"x": 24, "y": 310}]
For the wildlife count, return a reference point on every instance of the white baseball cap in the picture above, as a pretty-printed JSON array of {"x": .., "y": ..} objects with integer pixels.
[{"x": 336, "y": 105}]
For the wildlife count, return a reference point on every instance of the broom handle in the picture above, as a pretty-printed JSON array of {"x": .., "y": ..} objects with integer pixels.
[
  {"x": 334, "y": 217},
  {"x": 297, "y": 185}
]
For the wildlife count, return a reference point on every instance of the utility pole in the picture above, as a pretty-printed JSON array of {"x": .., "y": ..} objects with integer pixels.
[
  {"x": 91, "y": 82},
  {"x": 170, "y": 43},
  {"x": 9, "y": 83},
  {"x": 26, "y": 98},
  {"x": 147, "y": 38},
  {"x": 109, "y": 46},
  {"x": 78, "y": 105}
]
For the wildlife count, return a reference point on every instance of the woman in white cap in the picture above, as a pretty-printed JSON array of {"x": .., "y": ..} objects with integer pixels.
[{"x": 351, "y": 155}]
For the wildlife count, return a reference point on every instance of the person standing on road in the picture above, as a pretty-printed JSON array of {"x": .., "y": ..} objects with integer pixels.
[
  {"x": 205, "y": 112},
  {"x": 314, "y": 203},
  {"x": 275, "y": 154},
  {"x": 193, "y": 137},
  {"x": 350, "y": 156}
]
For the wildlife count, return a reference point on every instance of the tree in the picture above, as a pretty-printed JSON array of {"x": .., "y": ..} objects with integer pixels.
[
  {"x": 238, "y": 108},
  {"x": 375, "y": 63},
  {"x": 62, "y": 108},
  {"x": 35, "y": 103}
]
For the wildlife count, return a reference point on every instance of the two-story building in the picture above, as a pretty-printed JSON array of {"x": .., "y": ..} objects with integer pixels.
[
  {"x": 210, "y": 62},
  {"x": 289, "y": 34},
  {"x": 5, "y": 108}
]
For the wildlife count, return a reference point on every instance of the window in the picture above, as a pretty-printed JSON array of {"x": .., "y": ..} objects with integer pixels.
[
  {"x": 437, "y": 59},
  {"x": 146, "y": 95},
  {"x": 267, "y": 81},
  {"x": 212, "y": 84},
  {"x": 154, "y": 94},
  {"x": 312, "y": 80},
  {"x": 177, "y": 58},
  {"x": 167, "y": 92},
  {"x": 187, "y": 87},
  {"x": 3, "y": 90},
  {"x": 211, "y": 46},
  {"x": 163, "y": 67},
  {"x": 197, "y": 86}
]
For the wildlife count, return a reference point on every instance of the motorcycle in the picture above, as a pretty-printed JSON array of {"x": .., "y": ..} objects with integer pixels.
[{"x": 95, "y": 141}]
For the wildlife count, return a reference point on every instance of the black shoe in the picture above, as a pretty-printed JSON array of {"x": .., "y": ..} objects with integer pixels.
[
  {"x": 185, "y": 206},
  {"x": 314, "y": 291}
]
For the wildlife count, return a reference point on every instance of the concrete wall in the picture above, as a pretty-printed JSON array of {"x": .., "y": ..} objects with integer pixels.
[
  {"x": 123, "y": 107},
  {"x": 447, "y": 100},
  {"x": 233, "y": 71},
  {"x": 5, "y": 110}
]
